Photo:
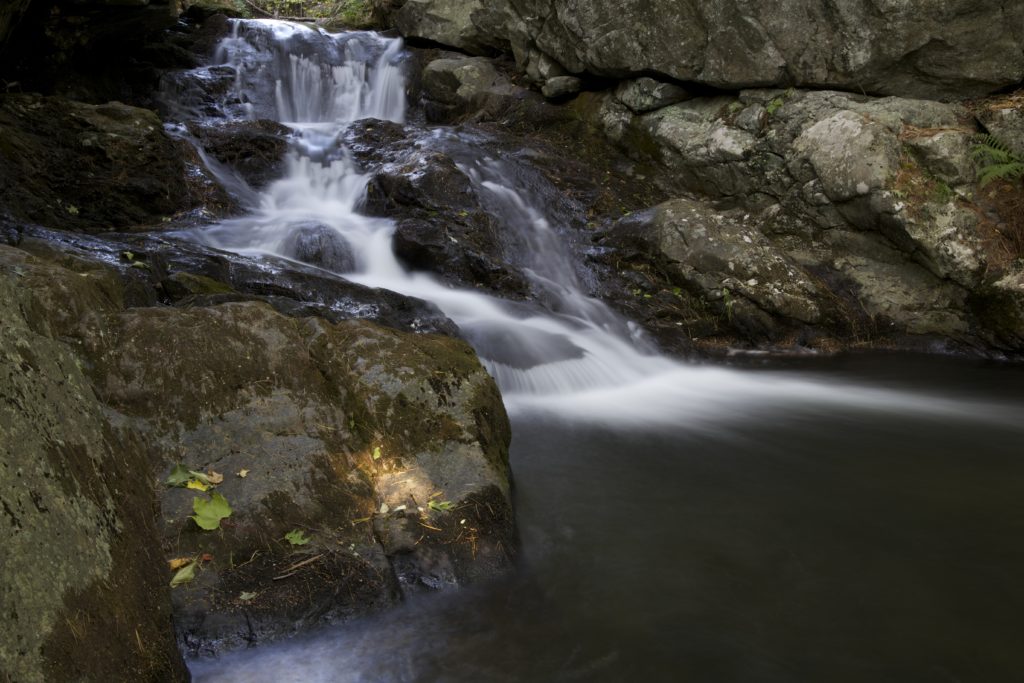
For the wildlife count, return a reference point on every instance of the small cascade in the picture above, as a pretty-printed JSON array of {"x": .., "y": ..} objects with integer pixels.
[{"x": 567, "y": 353}]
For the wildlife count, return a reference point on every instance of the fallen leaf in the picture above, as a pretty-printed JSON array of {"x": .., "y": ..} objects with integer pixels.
[
  {"x": 178, "y": 562},
  {"x": 243, "y": 473},
  {"x": 296, "y": 537},
  {"x": 184, "y": 575},
  {"x": 207, "y": 557},
  {"x": 210, "y": 511},
  {"x": 199, "y": 476},
  {"x": 384, "y": 508},
  {"x": 376, "y": 453},
  {"x": 442, "y": 506},
  {"x": 197, "y": 485},
  {"x": 179, "y": 476},
  {"x": 215, "y": 477},
  {"x": 246, "y": 596}
]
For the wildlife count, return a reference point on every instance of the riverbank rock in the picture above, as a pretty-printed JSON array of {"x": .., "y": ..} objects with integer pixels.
[
  {"x": 758, "y": 288},
  {"x": 875, "y": 196},
  {"x": 954, "y": 49},
  {"x": 456, "y": 86},
  {"x": 91, "y": 168},
  {"x": 83, "y": 583},
  {"x": 358, "y": 436}
]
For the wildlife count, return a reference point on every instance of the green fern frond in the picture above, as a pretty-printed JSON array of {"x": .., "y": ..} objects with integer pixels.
[
  {"x": 997, "y": 161},
  {"x": 1008, "y": 171}
]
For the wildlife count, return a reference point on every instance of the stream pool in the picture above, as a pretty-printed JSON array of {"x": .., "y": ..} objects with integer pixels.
[{"x": 806, "y": 543}]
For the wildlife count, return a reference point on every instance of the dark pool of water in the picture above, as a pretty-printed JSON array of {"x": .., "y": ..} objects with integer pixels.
[{"x": 817, "y": 545}]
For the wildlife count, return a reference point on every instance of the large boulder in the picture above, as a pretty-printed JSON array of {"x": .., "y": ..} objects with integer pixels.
[
  {"x": 336, "y": 429},
  {"x": 83, "y": 583},
  {"x": 916, "y": 48},
  {"x": 92, "y": 168},
  {"x": 387, "y": 449}
]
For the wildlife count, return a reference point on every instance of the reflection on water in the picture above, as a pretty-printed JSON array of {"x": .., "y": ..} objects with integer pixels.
[{"x": 826, "y": 543}]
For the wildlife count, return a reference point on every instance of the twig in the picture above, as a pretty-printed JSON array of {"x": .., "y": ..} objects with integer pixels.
[{"x": 290, "y": 571}]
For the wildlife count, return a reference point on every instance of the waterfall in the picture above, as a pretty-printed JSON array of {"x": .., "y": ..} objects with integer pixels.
[{"x": 573, "y": 355}]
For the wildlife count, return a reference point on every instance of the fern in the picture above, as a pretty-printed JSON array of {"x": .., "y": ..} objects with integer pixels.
[{"x": 997, "y": 161}]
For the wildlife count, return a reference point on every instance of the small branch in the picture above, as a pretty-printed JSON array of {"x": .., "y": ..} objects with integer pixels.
[{"x": 290, "y": 571}]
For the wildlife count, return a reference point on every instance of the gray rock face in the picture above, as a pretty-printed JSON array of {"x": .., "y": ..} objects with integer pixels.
[
  {"x": 646, "y": 94},
  {"x": 456, "y": 86},
  {"x": 82, "y": 577},
  {"x": 724, "y": 261},
  {"x": 899, "y": 47},
  {"x": 876, "y": 196}
]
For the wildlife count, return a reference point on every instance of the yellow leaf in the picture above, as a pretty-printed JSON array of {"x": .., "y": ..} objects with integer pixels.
[
  {"x": 243, "y": 473},
  {"x": 197, "y": 485},
  {"x": 178, "y": 562},
  {"x": 215, "y": 477},
  {"x": 184, "y": 575}
]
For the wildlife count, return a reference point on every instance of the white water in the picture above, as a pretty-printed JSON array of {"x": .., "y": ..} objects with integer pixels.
[{"x": 576, "y": 358}]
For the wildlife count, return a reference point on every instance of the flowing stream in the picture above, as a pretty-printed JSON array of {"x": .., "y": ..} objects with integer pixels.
[{"x": 679, "y": 521}]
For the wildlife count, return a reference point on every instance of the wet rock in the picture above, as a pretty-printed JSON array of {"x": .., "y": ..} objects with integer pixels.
[
  {"x": 442, "y": 223},
  {"x": 255, "y": 150},
  {"x": 360, "y": 418},
  {"x": 88, "y": 168},
  {"x": 84, "y": 579},
  {"x": 181, "y": 273},
  {"x": 320, "y": 245}
]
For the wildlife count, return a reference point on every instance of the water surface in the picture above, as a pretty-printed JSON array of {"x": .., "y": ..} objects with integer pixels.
[{"x": 820, "y": 544}]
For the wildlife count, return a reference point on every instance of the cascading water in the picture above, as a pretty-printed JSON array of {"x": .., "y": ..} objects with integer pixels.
[
  {"x": 572, "y": 356},
  {"x": 712, "y": 557}
]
